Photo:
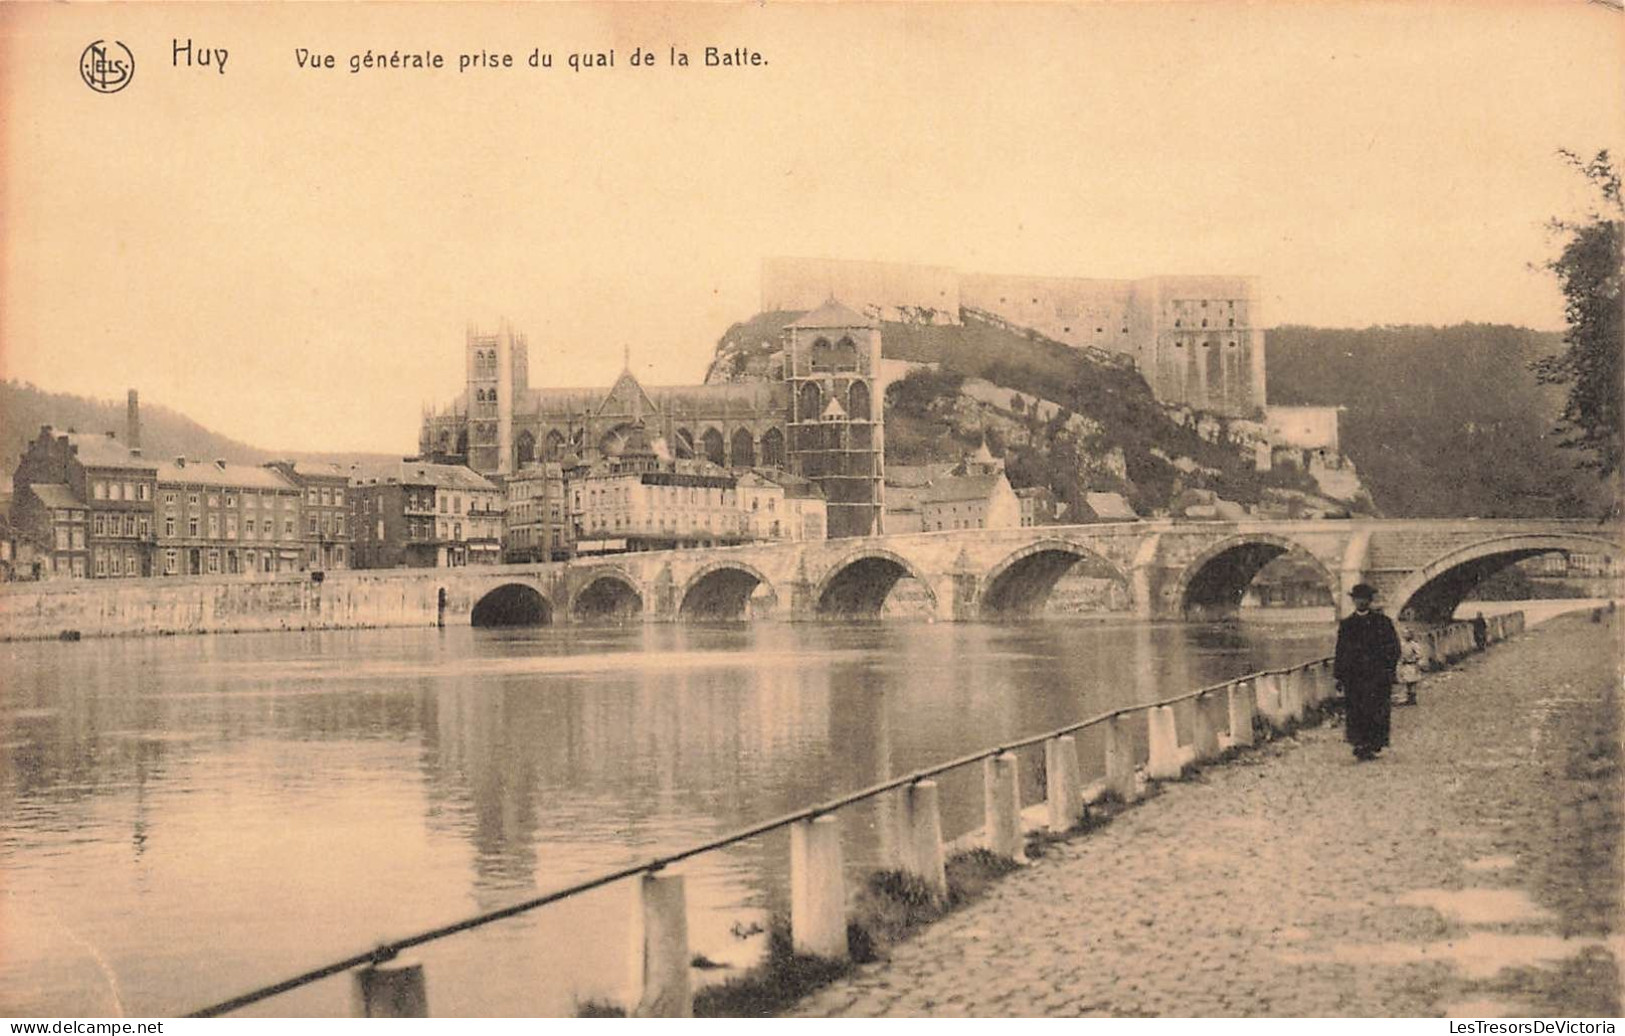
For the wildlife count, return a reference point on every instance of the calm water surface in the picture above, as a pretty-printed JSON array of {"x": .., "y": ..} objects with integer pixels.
[{"x": 183, "y": 819}]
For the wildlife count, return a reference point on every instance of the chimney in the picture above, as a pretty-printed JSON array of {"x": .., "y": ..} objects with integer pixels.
[
  {"x": 219, "y": 463},
  {"x": 132, "y": 422},
  {"x": 180, "y": 462}
]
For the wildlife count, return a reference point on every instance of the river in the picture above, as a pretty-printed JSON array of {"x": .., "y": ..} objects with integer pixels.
[{"x": 182, "y": 819}]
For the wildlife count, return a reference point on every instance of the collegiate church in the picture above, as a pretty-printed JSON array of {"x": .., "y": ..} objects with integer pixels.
[{"x": 817, "y": 413}]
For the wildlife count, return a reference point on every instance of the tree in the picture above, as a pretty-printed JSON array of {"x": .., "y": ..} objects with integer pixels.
[{"x": 1589, "y": 270}]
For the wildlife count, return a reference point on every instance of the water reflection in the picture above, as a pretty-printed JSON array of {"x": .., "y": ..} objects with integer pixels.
[{"x": 181, "y": 819}]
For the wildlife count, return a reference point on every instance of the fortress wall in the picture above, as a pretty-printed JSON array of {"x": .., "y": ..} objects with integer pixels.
[
  {"x": 1155, "y": 321},
  {"x": 901, "y": 292}
]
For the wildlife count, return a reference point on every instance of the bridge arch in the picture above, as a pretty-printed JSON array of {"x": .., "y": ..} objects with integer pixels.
[
  {"x": 1216, "y": 580},
  {"x": 1433, "y": 592},
  {"x": 721, "y": 590},
  {"x": 607, "y": 593},
  {"x": 858, "y": 584},
  {"x": 511, "y": 604},
  {"x": 1021, "y": 584}
]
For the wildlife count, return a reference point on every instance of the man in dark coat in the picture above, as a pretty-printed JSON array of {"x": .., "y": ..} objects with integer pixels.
[{"x": 1367, "y": 651}]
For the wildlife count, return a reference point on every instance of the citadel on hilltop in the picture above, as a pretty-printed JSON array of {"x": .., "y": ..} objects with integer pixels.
[{"x": 1198, "y": 341}]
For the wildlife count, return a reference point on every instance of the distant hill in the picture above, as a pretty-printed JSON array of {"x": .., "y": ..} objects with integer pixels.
[
  {"x": 1440, "y": 421},
  {"x": 164, "y": 432}
]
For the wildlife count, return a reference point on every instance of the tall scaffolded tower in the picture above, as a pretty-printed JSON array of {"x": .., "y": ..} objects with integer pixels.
[{"x": 836, "y": 414}]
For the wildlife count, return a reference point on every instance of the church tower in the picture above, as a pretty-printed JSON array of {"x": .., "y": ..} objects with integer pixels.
[
  {"x": 836, "y": 414},
  {"x": 498, "y": 376}
]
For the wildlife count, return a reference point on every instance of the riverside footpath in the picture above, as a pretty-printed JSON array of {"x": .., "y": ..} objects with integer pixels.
[{"x": 1472, "y": 870}]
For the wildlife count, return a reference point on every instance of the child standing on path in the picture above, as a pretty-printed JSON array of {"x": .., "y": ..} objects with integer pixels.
[{"x": 1410, "y": 666}]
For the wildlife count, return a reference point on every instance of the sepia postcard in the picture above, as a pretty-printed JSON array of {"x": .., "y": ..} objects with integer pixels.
[{"x": 876, "y": 510}]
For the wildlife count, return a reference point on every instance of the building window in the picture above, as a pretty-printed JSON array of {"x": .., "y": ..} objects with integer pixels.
[
  {"x": 171, "y": 560},
  {"x": 169, "y": 499},
  {"x": 338, "y": 554},
  {"x": 192, "y": 526},
  {"x": 191, "y": 499},
  {"x": 310, "y": 495},
  {"x": 231, "y": 526},
  {"x": 97, "y": 524},
  {"x": 310, "y": 524},
  {"x": 214, "y": 526},
  {"x": 287, "y": 527},
  {"x": 214, "y": 562},
  {"x": 144, "y": 491},
  {"x": 248, "y": 525},
  {"x": 338, "y": 497},
  {"x": 146, "y": 526},
  {"x": 231, "y": 499},
  {"x": 101, "y": 562},
  {"x": 169, "y": 526},
  {"x": 100, "y": 490},
  {"x": 131, "y": 566}
]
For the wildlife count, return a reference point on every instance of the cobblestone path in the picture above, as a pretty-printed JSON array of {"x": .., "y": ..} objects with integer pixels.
[{"x": 1473, "y": 870}]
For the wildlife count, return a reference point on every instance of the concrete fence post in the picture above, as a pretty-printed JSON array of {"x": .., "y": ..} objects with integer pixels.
[
  {"x": 1204, "y": 730},
  {"x": 1001, "y": 795},
  {"x": 1269, "y": 698},
  {"x": 919, "y": 836},
  {"x": 397, "y": 991},
  {"x": 1119, "y": 752},
  {"x": 1241, "y": 708},
  {"x": 1063, "y": 780},
  {"x": 1309, "y": 680},
  {"x": 660, "y": 957},
  {"x": 817, "y": 888},
  {"x": 1162, "y": 737},
  {"x": 1292, "y": 694}
]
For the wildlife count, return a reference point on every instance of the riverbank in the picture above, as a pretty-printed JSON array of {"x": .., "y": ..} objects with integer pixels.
[{"x": 1473, "y": 870}]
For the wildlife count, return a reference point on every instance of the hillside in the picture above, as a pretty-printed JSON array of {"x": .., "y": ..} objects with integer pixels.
[
  {"x": 1440, "y": 421},
  {"x": 164, "y": 432},
  {"x": 1125, "y": 441}
]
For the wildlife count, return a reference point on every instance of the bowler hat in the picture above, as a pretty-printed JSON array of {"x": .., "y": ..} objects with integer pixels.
[{"x": 1363, "y": 591}]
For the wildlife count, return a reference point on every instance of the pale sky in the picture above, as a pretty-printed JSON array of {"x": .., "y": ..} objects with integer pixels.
[{"x": 291, "y": 256}]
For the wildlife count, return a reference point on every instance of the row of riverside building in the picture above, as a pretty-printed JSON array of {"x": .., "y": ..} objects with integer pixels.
[
  {"x": 92, "y": 506},
  {"x": 507, "y": 473}
]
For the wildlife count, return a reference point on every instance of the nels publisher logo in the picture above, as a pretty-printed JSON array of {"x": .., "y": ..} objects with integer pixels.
[{"x": 107, "y": 67}]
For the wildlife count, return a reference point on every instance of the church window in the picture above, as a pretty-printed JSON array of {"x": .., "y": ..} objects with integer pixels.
[
  {"x": 858, "y": 401},
  {"x": 846, "y": 354},
  {"x": 812, "y": 402},
  {"x": 821, "y": 350}
]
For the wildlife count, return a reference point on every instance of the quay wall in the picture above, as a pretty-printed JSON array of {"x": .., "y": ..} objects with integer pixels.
[{"x": 227, "y": 604}]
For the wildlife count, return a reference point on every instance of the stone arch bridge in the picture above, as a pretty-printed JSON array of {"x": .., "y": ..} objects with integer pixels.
[{"x": 1167, "y": 569}]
